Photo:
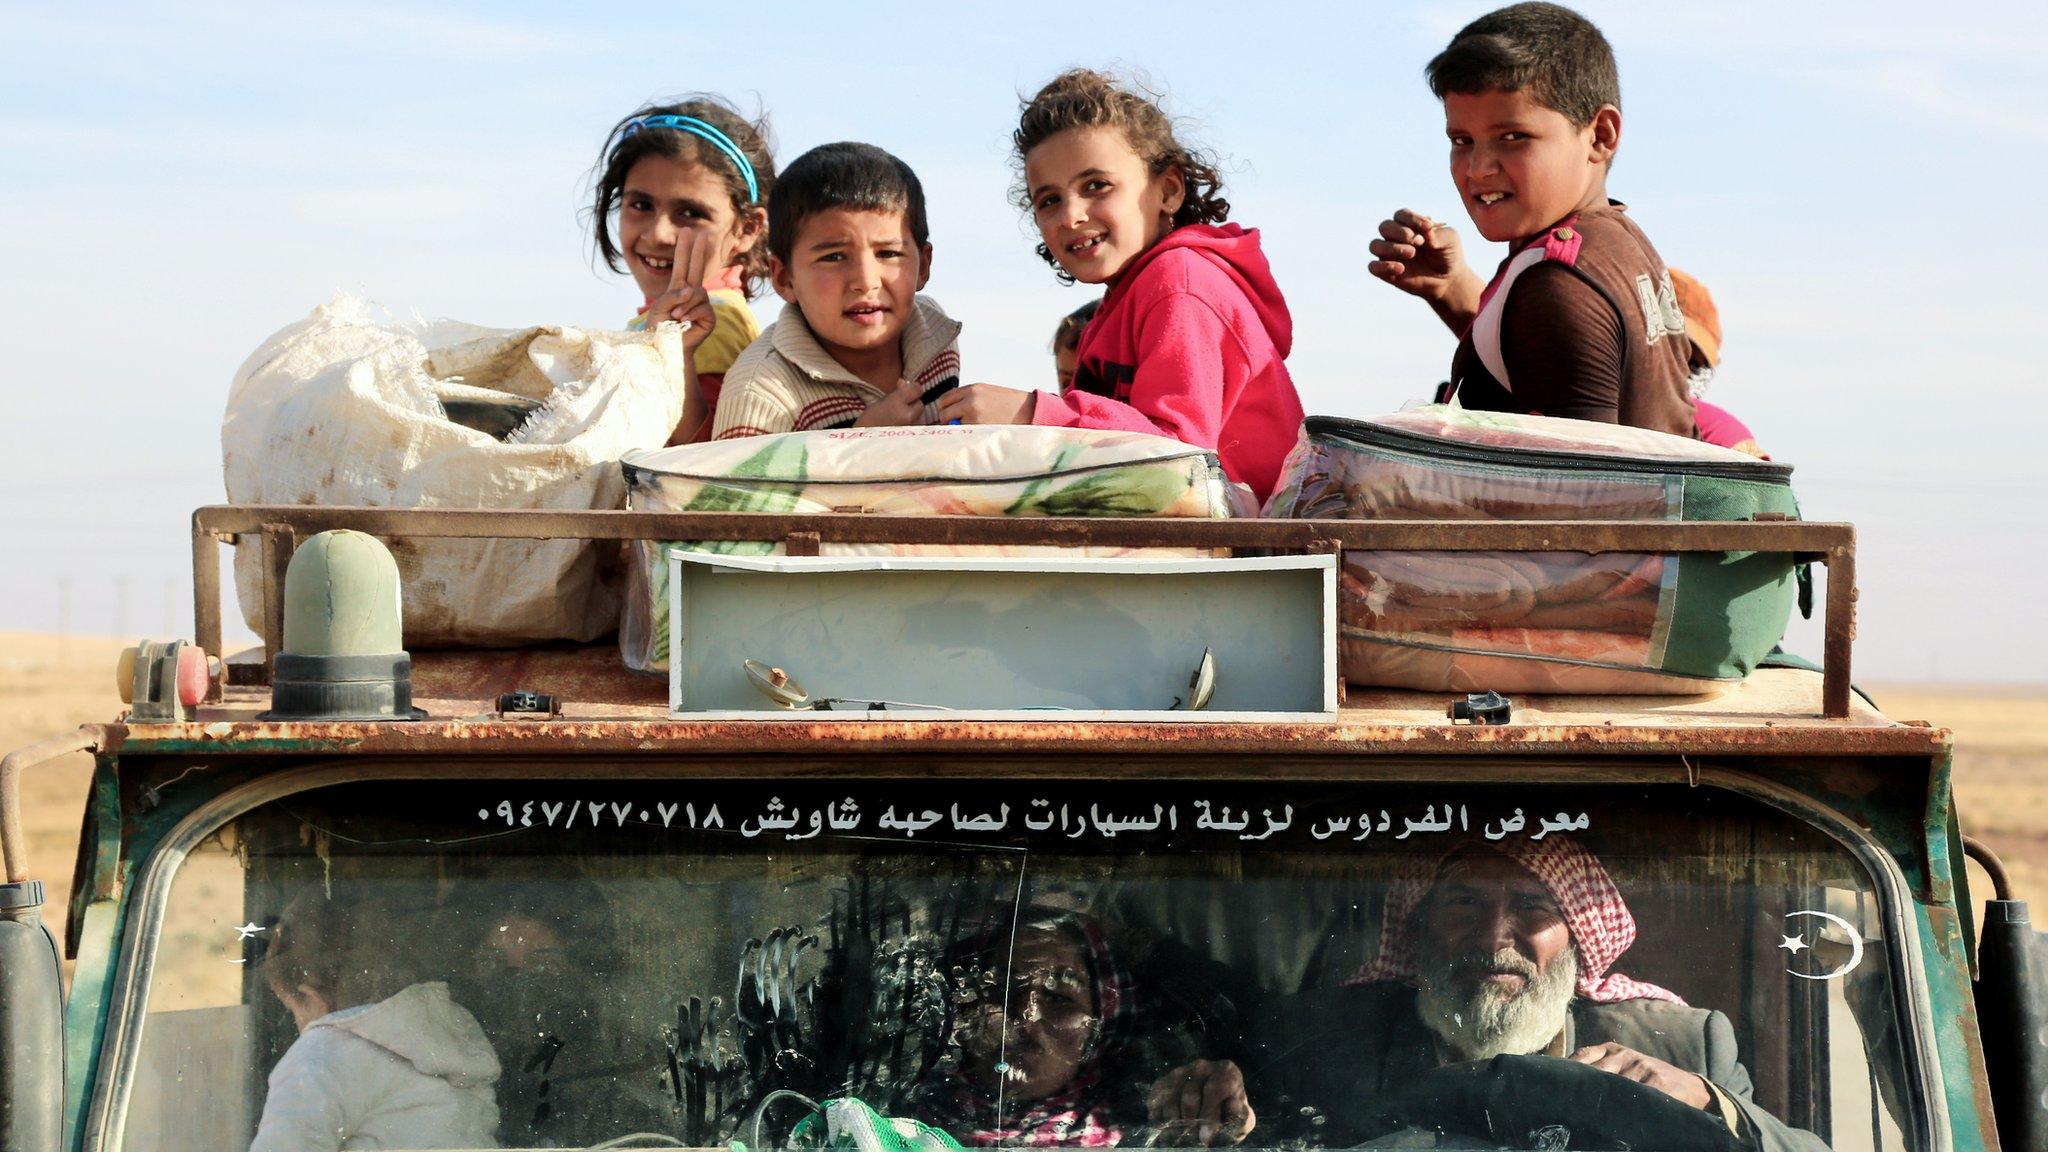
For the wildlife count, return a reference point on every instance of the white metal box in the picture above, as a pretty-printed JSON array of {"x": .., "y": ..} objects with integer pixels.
[{"x": 1002, "y": 638}]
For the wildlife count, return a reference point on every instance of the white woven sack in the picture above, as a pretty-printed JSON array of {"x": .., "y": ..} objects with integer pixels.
[{"x": 343, "y": 408}]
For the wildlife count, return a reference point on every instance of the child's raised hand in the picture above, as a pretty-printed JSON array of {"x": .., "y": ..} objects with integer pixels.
[
  {"x": 697, "y": 250},
  {"x": 902, "y": 407},
  {"x": 1417, "y": 255},
  {"x": 987, "y": 404}
]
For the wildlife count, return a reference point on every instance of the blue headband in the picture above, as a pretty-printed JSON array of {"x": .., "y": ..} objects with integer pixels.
[{"x": 699, "y": 128}]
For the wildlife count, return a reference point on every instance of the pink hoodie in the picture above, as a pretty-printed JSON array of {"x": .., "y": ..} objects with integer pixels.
[{"x": 1191, "y": 342}]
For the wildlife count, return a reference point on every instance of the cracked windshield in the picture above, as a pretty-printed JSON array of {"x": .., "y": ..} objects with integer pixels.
[{"x": 1046, "y": 963}]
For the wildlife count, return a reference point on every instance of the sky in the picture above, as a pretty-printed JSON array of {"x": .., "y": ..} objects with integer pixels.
[{"x": 1856, "y": 183}]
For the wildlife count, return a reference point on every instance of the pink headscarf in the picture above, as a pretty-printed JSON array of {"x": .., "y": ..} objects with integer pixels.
[{"x": 1600, "y": 924}]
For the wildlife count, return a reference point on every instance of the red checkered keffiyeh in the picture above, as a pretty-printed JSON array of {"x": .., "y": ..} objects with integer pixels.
[{"x": 1600, "y": 924}]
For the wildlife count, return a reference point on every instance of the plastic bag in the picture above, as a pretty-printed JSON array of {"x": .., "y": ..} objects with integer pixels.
[{"x": 349, "y": 407}]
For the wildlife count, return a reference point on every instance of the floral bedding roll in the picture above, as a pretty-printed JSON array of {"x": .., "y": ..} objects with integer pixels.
[{"x": 963, "y": 470}]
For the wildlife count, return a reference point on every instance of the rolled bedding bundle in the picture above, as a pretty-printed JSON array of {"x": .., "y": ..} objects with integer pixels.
[
  {"x": 1541, "y": 621},
  {"x": 963, "y": 470}
]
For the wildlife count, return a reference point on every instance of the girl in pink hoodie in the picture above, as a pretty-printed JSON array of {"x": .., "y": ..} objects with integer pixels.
[{"x": 1192, "y": 337}]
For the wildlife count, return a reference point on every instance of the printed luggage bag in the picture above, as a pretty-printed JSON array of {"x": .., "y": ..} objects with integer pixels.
[
  {"x": 945, "y": 470},
  {"x": 1551, "y": 621}
]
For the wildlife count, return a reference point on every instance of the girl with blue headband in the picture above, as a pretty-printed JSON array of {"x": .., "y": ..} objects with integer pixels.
[{"x": 680, "y": 204}]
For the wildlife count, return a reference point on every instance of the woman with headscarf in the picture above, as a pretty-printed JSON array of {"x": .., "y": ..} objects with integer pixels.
[{"x": 1036, "y": 1021}]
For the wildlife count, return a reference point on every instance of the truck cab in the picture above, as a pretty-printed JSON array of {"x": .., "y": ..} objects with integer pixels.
[{"x": 660, "y": 922}]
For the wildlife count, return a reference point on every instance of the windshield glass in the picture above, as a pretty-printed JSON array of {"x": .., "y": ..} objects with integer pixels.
[{"x": 1042, "y": 963}]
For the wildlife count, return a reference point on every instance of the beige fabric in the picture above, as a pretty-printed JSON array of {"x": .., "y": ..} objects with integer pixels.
[
  {"x": 1726, "y": 1107},
  {"x": 786, "y": 382}
]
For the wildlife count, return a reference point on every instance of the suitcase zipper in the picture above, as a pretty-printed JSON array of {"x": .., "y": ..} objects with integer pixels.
[{"x": 1381, "y": 436}]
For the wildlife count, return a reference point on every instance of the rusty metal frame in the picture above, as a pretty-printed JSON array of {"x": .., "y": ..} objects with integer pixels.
[
  {"x": 13, "y": 841},
  {"x": 280, "y": 527}
]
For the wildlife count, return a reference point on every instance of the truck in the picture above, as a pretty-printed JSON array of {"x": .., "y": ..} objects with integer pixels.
[{"x": 685, "y": 927}]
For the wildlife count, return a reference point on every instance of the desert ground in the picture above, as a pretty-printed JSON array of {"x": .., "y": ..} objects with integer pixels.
[{"x": 49, "y": 685}]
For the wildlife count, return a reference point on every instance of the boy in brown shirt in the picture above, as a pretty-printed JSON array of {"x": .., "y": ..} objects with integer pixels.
[{"x": 1580, "y": 320}]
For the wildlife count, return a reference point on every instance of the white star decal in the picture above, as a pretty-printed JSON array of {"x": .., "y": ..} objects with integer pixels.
[
  {"x": 249, "y": 929},
  {"x": 1793, "y": 944}
]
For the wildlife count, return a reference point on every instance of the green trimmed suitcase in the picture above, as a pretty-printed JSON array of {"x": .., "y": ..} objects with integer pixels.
[{"x": 1542, "y": 622}]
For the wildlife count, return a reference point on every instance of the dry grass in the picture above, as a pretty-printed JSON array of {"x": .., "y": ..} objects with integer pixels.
[
  {"x": 2001, "y": 769},
  {"x": 48, "y": 687},
  {"x": 2001, "y": 775}
]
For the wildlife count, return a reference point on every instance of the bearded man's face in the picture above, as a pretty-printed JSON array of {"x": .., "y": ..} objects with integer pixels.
[{"x": 1495, "y": 957}]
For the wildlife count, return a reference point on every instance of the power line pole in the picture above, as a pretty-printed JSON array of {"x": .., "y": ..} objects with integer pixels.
[{"x": 63, "y": 619}]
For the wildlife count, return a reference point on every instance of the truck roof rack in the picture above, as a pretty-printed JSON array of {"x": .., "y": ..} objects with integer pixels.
[{"x": 279, "y": 528}]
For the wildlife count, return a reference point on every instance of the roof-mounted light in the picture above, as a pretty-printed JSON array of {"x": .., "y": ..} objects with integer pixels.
[{"x": 343, "y": 655}]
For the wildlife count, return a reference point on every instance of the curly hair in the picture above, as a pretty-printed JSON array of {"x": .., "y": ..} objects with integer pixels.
[
  {"x": 622, "y": 151},
  {"x": 1085, "y": 98}
]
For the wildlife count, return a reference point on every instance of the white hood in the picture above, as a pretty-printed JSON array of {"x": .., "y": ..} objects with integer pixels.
[{"x": 428, "y": 1030}]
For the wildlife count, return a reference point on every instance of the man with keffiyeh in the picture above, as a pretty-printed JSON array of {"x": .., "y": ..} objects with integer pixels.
[{"x": 1491, "y": 957}]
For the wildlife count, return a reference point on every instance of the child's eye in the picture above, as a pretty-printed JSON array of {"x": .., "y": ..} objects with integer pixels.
[
  {"x": 1047, "y": 202},
  {"x": 1096, "y": 186},
  {"x": 1514, "y": 136},
  {"x": 1461, "y": 141},
  {"x": 889, "y": 253}
]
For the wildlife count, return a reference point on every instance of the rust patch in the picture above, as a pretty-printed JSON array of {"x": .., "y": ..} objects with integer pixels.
[
  {"x": 1946, "y": 928},
  {"x": 1978, "y": 1079},
  {"x": 572, "y": 735}
]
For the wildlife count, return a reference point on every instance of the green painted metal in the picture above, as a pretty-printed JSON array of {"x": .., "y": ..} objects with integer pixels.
[
  {"x": 341, "y": 597},
  {"x": 95, "y": 914},
  {"x": 173, "y": 746},
  {"x": 1955, "y": 1032},
  {"x": 1915, "y": 823},
  {"x": 85, "y": 1013},
  {"x": 98, "y": 872},
  {"x": 147, "y": 828},
  {"x": 1946, "y": 938},
  {"x": 1952, "y": 848}
]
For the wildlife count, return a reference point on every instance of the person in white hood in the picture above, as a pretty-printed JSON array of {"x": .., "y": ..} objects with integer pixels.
[{"x": 406, "y": 1070}]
